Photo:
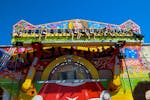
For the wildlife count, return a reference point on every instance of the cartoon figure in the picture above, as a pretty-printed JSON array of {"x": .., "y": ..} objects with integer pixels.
[
  {"x": 147, "y": 95},
  {"x": 70, "y": 27},
  {"x": 77, "y": 27}
]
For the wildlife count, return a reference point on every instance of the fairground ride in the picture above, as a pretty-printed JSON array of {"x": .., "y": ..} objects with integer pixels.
[{"x": 72, "y": 60}]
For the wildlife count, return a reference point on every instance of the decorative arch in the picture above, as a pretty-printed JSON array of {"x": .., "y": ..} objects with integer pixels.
[{"x": 86, "y": 63}]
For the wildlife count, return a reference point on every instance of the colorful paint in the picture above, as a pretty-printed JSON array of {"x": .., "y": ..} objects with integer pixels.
[
  {"x": 24, "y": 25},
  {"x": 79, "y": 69}
]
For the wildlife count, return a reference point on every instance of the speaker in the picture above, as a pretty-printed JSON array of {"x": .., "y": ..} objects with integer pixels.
[
  {"x": 29, "y": 31},
  {"x": 51, "y": 31},
  {"x": 59, "y": 30},
  {"x": 37, "y": 31},
  {"x": 19, "y": 44}
]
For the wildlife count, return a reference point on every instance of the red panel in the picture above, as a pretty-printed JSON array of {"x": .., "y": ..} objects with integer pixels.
[{"x": 53, "y": 91}]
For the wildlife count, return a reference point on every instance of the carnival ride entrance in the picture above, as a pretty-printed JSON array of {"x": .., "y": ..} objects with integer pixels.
[
  {"x": 70, "y": 64},
  {"x": 60, "y": 73},
  {"x": 72, "y": 76},
  {"x": 71, "y": 67}
]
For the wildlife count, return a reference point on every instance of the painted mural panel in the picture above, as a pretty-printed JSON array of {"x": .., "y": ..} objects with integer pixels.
[
  {"x": 145, "y": 57},
  {"x": 66, "y": 31},
  {"x": 24, "y": 25},
  {"x": 136, "y": 63},
  {"x": 128, "y": 25}
]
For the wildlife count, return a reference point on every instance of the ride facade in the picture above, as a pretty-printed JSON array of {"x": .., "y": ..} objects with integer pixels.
[{"x": 74, "y": 60}]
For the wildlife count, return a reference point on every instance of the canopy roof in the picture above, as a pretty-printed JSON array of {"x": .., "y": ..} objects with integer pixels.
[{"x": 75, "y": 23}]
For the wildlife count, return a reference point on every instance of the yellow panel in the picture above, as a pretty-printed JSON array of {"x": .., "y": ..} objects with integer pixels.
[
  {"x": 122, "y": 97},
  {"x": 46, "y": 48},
  {"x": 85, "y": 48},
  {"x": 82, "y": 48},
  {"x": 66, "y": 47}
]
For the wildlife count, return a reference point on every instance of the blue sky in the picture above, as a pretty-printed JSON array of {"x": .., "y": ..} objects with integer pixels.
[{"x": 45, "y": 11}]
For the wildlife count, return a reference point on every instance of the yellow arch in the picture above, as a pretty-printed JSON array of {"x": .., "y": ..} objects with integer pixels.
[{"x": 58, "y": 60}]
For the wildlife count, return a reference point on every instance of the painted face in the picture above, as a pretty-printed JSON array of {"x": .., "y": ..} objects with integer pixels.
[{"x": 147, "y": 95}]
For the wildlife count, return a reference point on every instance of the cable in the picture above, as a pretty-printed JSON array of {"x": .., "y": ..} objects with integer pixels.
[{"x": 128, "y": 75}]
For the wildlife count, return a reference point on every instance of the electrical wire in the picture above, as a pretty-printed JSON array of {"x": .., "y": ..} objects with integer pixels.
[{"x": 128, "y": 74}]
